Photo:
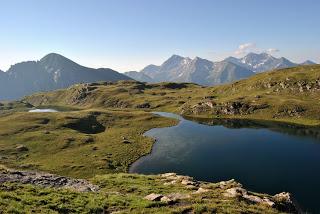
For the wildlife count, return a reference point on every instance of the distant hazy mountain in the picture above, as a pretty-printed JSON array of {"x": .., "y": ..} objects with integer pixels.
[
  {"x": 139, "y": 76},
  {"x": 308, "y": 62},
  {"x": 52, "y": 72}
]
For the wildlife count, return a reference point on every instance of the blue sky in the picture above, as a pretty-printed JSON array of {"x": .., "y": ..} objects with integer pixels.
[{"x": 129, "y": 34}]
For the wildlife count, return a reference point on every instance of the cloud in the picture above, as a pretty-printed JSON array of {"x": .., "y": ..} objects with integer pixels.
[
  {"x": 245, "y": 48},
  {"x": 272, "y": 50}
]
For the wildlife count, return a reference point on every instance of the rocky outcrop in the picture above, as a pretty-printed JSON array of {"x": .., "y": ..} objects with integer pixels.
[
  {"x": 185, "y": 189},
  {"x": 230, "y": 189},
  {"x": 228, "y": 108},
  {"x": 293, "y": 85},
  {"x": 22, "y": 148},
  {"x": 46, "y": 180},
  {"x": 283, "y": 202},
  {"x": 80, "y": 92},
  {"x": 291, "y": 111},
  {"x": 143, "y": 105}
]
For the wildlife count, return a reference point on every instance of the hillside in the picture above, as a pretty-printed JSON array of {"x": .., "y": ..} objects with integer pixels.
[
  {"x": 36, "y": 192},
  {"x": 50, "y": 73},
  {"x": 285, "y": 95},
  {"x": 99, "y": 129}
]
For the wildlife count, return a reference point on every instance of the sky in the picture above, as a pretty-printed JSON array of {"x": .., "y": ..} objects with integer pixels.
[{"x": 127, "y": 35}]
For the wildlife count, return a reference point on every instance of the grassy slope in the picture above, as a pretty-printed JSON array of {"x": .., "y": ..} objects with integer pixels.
[
  {"x": 57, "y": 143},
  {"x": 89, "y": 139},
  {"x": 123, "y": 193},
  {"x": 283, "y": 91},
  {"x": 55, "y": 147}
]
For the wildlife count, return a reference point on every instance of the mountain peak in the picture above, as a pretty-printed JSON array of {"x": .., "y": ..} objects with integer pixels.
[
  {"x": 51, "y": 56},
  {"x": 262, "y": 55},
  {"x": 57, "y": 60},
  {"x": 176, "y": 56},
  {"x": 173, "y": 61}
]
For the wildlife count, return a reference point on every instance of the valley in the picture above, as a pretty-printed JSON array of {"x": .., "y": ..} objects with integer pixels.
[{"x": 98, "y": 132}]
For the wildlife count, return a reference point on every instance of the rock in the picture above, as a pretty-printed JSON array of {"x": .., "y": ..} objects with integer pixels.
[
  {"x": 169, "y": 174},
  {"x": 201, "y": 190},
  {"x": 88, "y": 140},
  {"x": 285, "y": 202},
  {"x": 170, "y": 183},
  {"x": 253, "y": 198},
  {"x": 223, "y": 184},
  {"x": 174, "y": 197},
  {"x": 47, "y": 180},
  {"x": 26, "y": 166},
  {"x": 191, "y": 187},
  {"x": 22, "y": 148},
  {"x": 187, "y": 182},
  {"x": 166, "y": 200},
  {"x": 153, "y": 197},
  {"x": 235, "y": 192},
  {"x": 268, "y": 202},
  {"x": 143, "y": 105}
]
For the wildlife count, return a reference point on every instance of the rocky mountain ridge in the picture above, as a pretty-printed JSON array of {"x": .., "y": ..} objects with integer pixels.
[
  {"x": 205, "y": 72},
  {"x": 52, "y": 72}
]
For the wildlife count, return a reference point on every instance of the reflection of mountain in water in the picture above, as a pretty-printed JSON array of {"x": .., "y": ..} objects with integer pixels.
[{"x": 286, "y": 128}]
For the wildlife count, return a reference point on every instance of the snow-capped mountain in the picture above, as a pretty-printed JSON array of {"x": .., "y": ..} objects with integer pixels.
[
  {"x": 197, "y": 70},
  {"x": 205, "y": 72},
  {"x": 262, "y": 62}
]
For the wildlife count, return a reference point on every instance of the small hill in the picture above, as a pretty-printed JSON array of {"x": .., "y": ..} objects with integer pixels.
[
  {"x": 308, "y": 62},
  {"x": 52, "y": 72}
]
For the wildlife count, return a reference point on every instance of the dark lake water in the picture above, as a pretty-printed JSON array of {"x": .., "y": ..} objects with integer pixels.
[{"x": 263, "y": 156}]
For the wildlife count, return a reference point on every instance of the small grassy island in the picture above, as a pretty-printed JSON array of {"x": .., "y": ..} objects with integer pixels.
[{"x": 98, "y": 133}]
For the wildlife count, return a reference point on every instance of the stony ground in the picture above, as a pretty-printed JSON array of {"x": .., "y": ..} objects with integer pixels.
[{"x": 25, "y": 192}]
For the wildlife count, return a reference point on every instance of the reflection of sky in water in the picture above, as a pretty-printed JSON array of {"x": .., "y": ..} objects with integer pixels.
[
  {"x": 42, "y": 110},
  {"x": 263, "y": 159}
]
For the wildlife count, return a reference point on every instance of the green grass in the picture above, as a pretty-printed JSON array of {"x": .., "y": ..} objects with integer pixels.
[
  {"x": 120, "y": 192},
  {"x": 57, "y": 143},
  {"x": 85, "y": 139},
  {"x": 280, "y": 90}
]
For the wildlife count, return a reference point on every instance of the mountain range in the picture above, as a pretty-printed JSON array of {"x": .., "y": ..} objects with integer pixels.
[
  {"x": 55, "y": 71},
  {"x": 205, "y": 72},
  {"x": 52, "y": 72}
]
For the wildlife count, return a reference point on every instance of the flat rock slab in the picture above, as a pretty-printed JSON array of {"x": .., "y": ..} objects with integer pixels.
[
  {"x": 46, "y": 180},
  {"x": 153, "y": 197}
]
